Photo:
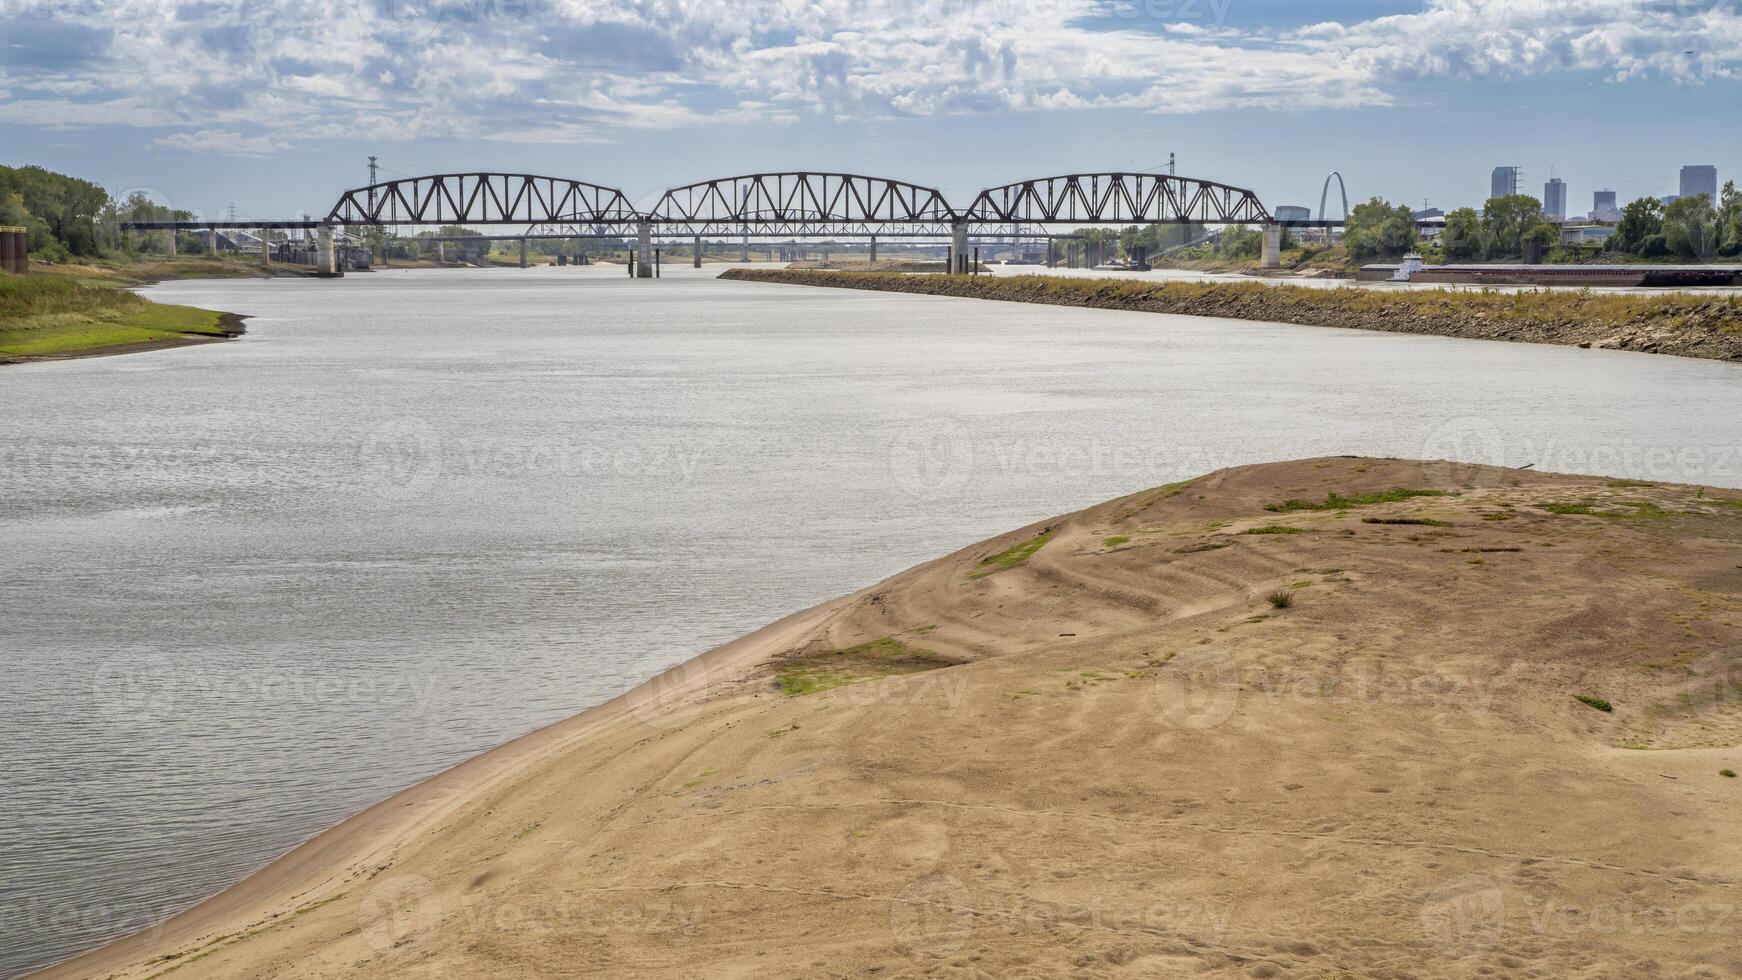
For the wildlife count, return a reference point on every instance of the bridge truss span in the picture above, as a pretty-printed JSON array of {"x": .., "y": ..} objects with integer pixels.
[
  {"x": 482, "y": 199},
  {"x": 1116, "y": 197},
  {"x": 795, "y": 198}
]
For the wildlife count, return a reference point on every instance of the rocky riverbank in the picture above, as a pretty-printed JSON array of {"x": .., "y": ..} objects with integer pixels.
[{"x": 1683, "y": 324}]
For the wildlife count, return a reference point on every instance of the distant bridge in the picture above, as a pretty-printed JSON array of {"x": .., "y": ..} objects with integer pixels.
[{"x": 789, "y": 204}]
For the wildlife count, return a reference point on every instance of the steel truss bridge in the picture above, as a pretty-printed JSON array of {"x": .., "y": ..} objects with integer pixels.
[
  {"x": 787, "y": 205},
  {"x": 795, "y": 204}
]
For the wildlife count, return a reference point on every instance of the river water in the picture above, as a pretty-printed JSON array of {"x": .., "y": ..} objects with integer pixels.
[{"x": 248, "y": 589}]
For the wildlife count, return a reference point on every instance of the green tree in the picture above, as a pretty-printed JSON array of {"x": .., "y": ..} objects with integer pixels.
[
  {"x": 1240, "y": 243},
  {"x": 1377, "y": 229},
  {"x": 1462, "y": 237},
  {"x": 1729, "y": 220},
  {"x": 1508, "y": 222},
  {"x": 66, "y": 208},
  {"x": 1640, "y": 220},
  {"x": 1690, "y": 227}
]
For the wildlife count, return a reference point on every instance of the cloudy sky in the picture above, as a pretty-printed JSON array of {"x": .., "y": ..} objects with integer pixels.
[{"x": 274, "y": 105}]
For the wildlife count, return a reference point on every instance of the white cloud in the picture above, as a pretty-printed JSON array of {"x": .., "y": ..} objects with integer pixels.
[
  {"x": 222, "y": 142},
  {"x": 254, "y": 76}
]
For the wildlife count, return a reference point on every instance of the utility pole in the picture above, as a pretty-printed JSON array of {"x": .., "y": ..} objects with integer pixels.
[
  {"x": 378, "y": 239},
  {"x": 1170, "y": 161}
]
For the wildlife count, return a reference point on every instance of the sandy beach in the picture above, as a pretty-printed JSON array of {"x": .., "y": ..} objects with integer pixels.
[{"x": 1332, "y": 717}]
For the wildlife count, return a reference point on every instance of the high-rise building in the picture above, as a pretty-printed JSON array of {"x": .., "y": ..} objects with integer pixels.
[
  {"x": 1504, "y": 183},
  {"x": 1700, "y": 179},
  {"x": 1603, "y": 201},
  {"x": 1554, "y": 199}
]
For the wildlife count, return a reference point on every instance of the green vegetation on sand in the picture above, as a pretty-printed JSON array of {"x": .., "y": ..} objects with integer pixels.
[
  {"x": 43, "y": 316},
  {"x": 1012, "y": 556},
  {"x": 828, "y": 669},
  {"x": 1336, "y": 501}
]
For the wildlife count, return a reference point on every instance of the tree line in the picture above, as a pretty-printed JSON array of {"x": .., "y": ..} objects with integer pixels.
[
  {"x": 1690, "y": 228},
  {"x": 67, "y": 217}
]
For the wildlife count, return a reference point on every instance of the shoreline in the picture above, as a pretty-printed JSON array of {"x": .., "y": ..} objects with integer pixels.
[
  {"x": 1679, "y": 325},
  {"x": 57, "y": 317},
  {"x": 232, "y": 325},
  {"x": 319, "y": 868},
  {"x": 410, "y": 885}
]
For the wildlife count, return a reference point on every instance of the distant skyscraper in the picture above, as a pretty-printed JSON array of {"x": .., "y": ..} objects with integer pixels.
[
  {"x": 1603, "y": 201},
  {"x": 1700, "y": 180},
  {"x": 1554, "y": 199},
  {"x": 1504, "y": 183}
]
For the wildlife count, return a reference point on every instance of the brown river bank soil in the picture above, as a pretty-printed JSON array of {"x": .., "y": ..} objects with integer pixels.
[
  {"x": 1099, "y": 747},
  {"x": 1687, "y": 325}
]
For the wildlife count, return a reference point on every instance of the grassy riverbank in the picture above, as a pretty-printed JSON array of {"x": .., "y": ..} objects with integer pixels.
[
  {"x": 145, "y": 270},
  {"x": 48, "y": 316},
  {"x": 1681, "y": 324}
]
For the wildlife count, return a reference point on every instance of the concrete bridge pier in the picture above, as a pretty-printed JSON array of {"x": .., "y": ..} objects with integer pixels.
[
  {"x": 329, "y": 261},
  {"x": 745, "y": 257},
  {"x": 873, "y": 257},
  {"x": 172, "y": 234},
  {"x": 212, "y": 241},
  {"x": 698, "y": 251},
  {"x": 644, "y": 250},
  {"x": 1271, "y": 257},
  {"x": 523, "y": 253},
  {"x": 958, "y": 247},
  {"x": 265, "y": 247}
]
